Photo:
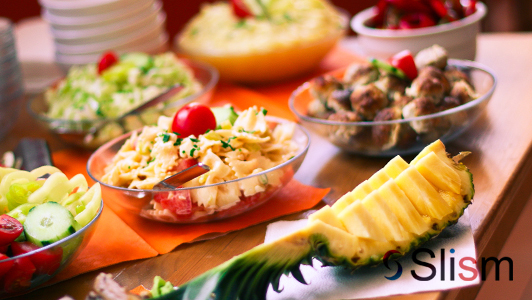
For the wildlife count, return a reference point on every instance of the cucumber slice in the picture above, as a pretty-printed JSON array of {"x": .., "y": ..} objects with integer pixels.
[
  {"x": 223, "y": 114},
  {"x": 386, "y": 67},
  {"x": 48, "y": 223}
]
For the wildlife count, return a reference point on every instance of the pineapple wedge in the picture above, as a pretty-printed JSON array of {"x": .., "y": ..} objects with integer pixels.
[{"x": 397, "y": 209}]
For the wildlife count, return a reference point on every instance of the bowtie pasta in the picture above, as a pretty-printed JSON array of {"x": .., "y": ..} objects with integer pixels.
[{"x": 247, "y": 147}]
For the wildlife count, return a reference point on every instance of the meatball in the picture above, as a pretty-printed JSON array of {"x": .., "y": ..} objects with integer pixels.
[
  {"x": 388, "y": 136},
  {"x": 453, "y": 75},
  {"x": 425, "y": 106},
  {"x": 426, "y": 87},
  {"x": 344, "y": 133},
  {"x": 456, "y": 118},
  {"x": 391, "y": 85},
  {"x": 367, "y": 100},
  {"x": 339, "y": 100},
  {"x": 317, "y": 109},
  {"x": 463, "y": 91},
  {"x": 401, "y": 100},
  {"x": 433, "y": 56},
  {"x": 322, "y": 86},
  {"x": 360, "y": 74},
  {"x": 434, "y": 72}
]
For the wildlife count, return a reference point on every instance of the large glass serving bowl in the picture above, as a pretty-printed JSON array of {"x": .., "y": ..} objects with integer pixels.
[
  {"x": 80, "y": 132},
  {"x": 140, "y": 202},
  {"x": 458, "y": 118}
]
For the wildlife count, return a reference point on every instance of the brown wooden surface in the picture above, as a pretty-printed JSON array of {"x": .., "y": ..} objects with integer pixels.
[{"x": 501, "y": 164}]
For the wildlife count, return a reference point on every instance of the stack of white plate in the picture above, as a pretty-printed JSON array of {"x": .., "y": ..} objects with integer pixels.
[
  {"x": 84, "y": 29},
  {"x": 11, "y": 85}
]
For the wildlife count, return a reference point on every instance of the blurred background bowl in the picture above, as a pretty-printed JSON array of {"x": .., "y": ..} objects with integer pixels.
[
  {"x": 458, "y": 37},
  {"x": 75, "y": 132},
  {"x": 459, "y": 118},
  {"x": 69, "y": 246},
  {"x": 11, "y": 84},
  {"x": 270, "y": 65},
  {"x": 138, "y": 202}
]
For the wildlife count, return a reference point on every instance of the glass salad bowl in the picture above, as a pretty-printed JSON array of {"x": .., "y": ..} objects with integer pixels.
[
  {"x": 141, "y": 202},
  {"x": 366, "y": 137},
  {"x": 91, "y": 134},
  {"x": 48, "y": 260}
]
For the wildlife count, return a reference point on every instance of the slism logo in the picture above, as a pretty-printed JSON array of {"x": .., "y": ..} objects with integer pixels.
[{"x": 399, "y": 267}]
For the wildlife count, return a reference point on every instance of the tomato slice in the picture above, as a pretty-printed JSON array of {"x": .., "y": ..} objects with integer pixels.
[
  {"x": 193, "y": 119},
  {"x": 178, "y": 202},
  {"x": 19, "y": 276},
  {"x": 107, "y": 59},
  {"x": 405, "y": 62},
  {"x": 240, "y": 9},
  {"x": 5, "y": 265},
  {"x": 45, "y": 262},
  {"x": 10, "y": 229}
]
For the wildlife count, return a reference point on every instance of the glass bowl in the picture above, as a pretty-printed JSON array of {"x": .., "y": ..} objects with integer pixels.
[
  {"x": 67, "y": 248},
  {"x": 140, "y": 202},
  {"x": 79, "y": 132},
  {"x": 271, "y": 65},
  {"x": 358, "y": 137}
]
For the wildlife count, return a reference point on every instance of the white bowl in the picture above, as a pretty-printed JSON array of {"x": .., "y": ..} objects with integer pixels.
[
  {"x": 102, "y": 18},
  {"x": 158, "y": 44},
  {"x": 147, "y": 34},
  {"x": 458, "y": 37},
  {"x": 109, "y": 32},
  {"x": 80, "y": 8}
]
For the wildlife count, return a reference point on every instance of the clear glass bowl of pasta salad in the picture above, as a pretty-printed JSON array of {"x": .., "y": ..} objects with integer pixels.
[
  {"x": 250, "y": 160},
  {"x": 95, "y": 96}
]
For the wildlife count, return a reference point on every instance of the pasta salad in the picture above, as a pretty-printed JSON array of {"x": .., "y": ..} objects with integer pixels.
[{"x": 234, "y": 150}]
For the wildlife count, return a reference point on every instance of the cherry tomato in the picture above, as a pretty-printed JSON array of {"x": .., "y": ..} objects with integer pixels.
[
  {"x": 107, "y": 59},
  {"x": 240, "y": 9},
  {"x": 45, "y": 261},
  {"x": 5, "y": 265},
  {"x": 405, "y": 62},
  {"x": 193, "y": 119},
  {"x": 10, "y": 229},
  {"x": 19, "y": 276}
]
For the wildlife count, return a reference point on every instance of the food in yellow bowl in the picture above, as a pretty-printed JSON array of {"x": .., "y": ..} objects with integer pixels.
[{"x": 257, "y": 41}]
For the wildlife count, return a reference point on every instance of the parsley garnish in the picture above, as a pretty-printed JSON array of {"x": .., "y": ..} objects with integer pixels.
[
  {"x": 228, "y": 143},
  {"x": 151, "y": 160},
  {"x": 263, "y": 111},
  {"x": 166, "y": 137},
  {"x": 250, "y": 132},
  {"x": 194, "y": 140},
  {"x": 178, "y": 142},
  {"x": 177, "y": 133},
  {"x": 192, "y": 152},
  {"x": 287, "y": 17},
  {"x": 241, "y": 23}
]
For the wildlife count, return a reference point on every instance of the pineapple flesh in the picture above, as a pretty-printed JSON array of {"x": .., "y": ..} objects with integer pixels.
[{"x": 398, "y": 208}]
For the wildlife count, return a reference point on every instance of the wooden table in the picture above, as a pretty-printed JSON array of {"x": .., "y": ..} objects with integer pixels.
[{"x": 501, "y": 163}]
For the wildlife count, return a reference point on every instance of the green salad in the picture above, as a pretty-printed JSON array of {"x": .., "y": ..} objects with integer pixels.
[
  {"x": 115, "y": 85},
  {"x": 86, "y": 94}
]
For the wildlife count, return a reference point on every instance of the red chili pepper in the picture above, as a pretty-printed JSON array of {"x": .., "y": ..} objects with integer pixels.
[
  {"x": 471, "y": 8},
  {"x": 439, "y": 8},
  {"x": 240, "y": 9},
  {"x": 380, "y": 14},
  {"x": 409, "y": 6},
  {"x": 416, "y": 20}
]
